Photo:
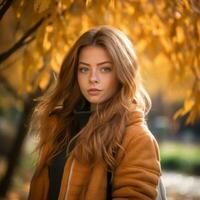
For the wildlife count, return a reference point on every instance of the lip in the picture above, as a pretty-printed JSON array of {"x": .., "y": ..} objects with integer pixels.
[{"x": 93, "y": 91}]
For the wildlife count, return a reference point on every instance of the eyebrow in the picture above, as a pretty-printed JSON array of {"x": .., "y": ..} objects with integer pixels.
[{"x": 101, "y": 63}]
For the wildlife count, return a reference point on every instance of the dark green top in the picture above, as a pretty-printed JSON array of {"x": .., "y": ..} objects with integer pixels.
[{"x": 81, "y": 117}]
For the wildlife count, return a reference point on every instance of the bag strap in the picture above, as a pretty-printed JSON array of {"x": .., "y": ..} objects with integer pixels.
[{"x": 161, "y": 191}]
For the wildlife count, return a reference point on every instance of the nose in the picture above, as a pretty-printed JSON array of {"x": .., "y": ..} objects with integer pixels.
[{"x": 93, "y": 76}]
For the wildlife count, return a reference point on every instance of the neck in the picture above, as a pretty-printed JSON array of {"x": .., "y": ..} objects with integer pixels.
[{"x": 93, "y": 107}]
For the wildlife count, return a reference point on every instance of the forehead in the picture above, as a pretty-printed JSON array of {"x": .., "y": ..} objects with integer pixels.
[{"x": 94, "y": 54}]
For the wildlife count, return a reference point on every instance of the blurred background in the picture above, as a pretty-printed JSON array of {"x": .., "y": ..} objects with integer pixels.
[{"x": 34, "y": 37}]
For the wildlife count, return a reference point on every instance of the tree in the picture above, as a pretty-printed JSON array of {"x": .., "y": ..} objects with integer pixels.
[{"x": 158, "y": 28}]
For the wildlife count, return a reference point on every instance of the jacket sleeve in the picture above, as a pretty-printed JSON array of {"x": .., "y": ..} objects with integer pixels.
[
  {"x": 137, "y": 174},
  {"x": 39, "y": 186}
]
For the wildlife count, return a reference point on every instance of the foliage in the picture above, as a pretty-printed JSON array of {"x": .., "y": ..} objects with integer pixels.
[
  {"x": 166, "y": 34},
  {"x": 180, "y": 157}
]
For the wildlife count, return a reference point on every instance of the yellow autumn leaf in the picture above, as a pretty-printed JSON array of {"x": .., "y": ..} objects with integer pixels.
[
  {"x": 166, "y": 44},
  {"x": 180, "y": 35},
  {"x": 188, "y": 104},
  {"x": 40, "y": 5},
  {"x": 88, "y": 2},
  {"x": 18, "y": 6},
  {"x": 177, "y": 114},
  {"x": 54, "y": 65},
  {"x": 28, "y": 88},
  {"x": 191, "y": 117},
  {"x": 141, "y": 45},
  {"x": 46, "y": 42},
  {"x": 44, "y": 80},
  {"x": 187, "y": 4}
]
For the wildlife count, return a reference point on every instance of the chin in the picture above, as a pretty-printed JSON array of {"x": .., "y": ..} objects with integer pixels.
[{"x": 94, "y": 101}]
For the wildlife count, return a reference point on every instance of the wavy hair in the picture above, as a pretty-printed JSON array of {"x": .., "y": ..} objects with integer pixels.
[{"x": 102, "y": 135}]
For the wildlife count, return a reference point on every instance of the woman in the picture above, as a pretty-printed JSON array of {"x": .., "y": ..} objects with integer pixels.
[{"x": 94, "y": 142}]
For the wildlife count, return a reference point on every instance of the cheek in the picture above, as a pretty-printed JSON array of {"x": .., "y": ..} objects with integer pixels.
[
  {"x": 78, "y": 78},
  {"x": 114, "y": 82},
  {"x": 81, "y": 82}
]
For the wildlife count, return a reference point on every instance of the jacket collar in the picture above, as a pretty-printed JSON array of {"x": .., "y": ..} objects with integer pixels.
[
  {"x": 135, "y": 115},
  {"x": 82, "y": 113}
]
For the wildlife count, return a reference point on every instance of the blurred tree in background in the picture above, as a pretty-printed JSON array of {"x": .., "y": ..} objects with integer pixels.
[{"x": 35, "y": 35}]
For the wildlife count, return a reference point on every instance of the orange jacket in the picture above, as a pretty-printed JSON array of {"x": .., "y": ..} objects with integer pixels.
[{"x": 136, "y": 177}]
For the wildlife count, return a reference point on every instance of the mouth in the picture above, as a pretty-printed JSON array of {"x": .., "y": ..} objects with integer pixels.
[{"x": 93, "y": 91}]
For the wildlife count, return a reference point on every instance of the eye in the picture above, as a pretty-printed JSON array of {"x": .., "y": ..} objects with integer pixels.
[
  {"x": 83, "y": 69},
  {"x": 106, "y": 69}
]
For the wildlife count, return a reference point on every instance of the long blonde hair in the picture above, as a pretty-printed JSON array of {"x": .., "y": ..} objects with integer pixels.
[{"x": 103, "y": 133}]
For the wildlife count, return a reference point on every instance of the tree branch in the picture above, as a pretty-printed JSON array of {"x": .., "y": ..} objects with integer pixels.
[
  {"x": 4, "y": 6},
  {"x": 25, "y": 39}
]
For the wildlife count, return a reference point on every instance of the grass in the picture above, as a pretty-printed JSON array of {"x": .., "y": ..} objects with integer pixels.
[{"x": 180, "y": 157}]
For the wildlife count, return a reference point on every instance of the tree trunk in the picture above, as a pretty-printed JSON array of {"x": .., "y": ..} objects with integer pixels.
[{"x": 16, "y": 148}]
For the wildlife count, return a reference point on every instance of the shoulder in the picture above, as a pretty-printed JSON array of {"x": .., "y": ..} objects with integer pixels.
[
  {"x": 137, "y": 133},
  {"x": 138, "y": 163},
  {"x": 136, "y": 125}
]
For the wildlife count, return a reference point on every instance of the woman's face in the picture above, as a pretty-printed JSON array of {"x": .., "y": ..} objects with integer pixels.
[{"x": 97, "y": 76}]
